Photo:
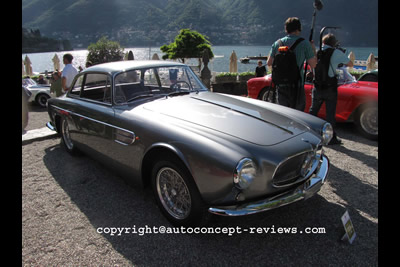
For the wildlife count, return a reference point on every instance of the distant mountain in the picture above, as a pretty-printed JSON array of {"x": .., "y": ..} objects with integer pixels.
[{"x": 156, "y": 22}]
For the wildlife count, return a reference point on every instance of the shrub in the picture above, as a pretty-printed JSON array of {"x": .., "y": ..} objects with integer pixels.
[
  {"x": 104, "y": 51},
  {"x": 227, "y": 74}
]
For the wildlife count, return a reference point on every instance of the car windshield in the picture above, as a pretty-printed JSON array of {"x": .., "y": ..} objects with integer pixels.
[
  {"x": 28, "y": 82},
  {"x": 344, "y": 76},
  {"x": 157, "y": 81}
]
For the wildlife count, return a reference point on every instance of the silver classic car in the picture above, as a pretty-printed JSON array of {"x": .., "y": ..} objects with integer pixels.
[
  {"x": 40, "y": 93},
  {"x": 156, "y": 124}
]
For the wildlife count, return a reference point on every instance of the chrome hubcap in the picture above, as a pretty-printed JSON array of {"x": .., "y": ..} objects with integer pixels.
[
  {"x": 66, "y": 135},
  {"x": 369, "y": 120},
  {"x": 173, "y": 193}
]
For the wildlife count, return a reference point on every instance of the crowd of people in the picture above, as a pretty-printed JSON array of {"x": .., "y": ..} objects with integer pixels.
[{"x": 60, "y": 83}]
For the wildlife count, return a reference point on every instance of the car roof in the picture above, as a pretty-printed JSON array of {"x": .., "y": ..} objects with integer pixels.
[{"x": 118, "y": 66}]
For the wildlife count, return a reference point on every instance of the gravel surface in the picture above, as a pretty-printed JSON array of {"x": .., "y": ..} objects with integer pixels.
[
  {"x": 37, "y": 117},
  {"x": 67, "y": 201}
]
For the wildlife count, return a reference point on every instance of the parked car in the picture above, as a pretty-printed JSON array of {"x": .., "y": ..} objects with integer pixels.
[
  {"x": 157, "y": 125},
  {"x": 40, "y": 93},
  {"x": 357, "y": 100}
]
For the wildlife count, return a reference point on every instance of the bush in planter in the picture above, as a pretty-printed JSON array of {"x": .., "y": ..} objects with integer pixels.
[
  {"x": 245, "y": 76},
  {"x": 225, "y": 77}
]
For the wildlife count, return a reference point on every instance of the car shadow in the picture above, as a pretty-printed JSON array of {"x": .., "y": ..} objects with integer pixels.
[
  {"x": 34, "y": 107},
  {"x": 107, "y": 201}
]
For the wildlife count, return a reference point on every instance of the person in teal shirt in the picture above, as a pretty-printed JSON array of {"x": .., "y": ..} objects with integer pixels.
[{"x": 294, "y": 96}]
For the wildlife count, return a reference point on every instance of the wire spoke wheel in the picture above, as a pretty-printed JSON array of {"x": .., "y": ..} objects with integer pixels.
[{"x": 173, "y": 193}]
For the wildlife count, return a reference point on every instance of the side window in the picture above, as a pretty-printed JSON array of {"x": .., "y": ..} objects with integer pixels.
[
  {"x": 76, "y": 88},
  {"x": 97, "y": 87},
  {"x": 127, "y": 86},
  {"x": 150, "y": 78}
]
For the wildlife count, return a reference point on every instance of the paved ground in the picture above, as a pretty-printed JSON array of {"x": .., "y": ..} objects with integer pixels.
[{"x": 65, "y": 201}]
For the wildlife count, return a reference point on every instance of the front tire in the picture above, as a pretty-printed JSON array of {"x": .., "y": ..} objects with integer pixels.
[
  {"x": 176, "y": 193},
  {"x": 267, "y": 94}
]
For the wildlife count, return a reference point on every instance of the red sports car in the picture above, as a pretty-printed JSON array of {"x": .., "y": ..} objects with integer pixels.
[{"x": 357, "y": 100}]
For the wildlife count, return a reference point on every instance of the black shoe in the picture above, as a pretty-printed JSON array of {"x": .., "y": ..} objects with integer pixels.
[{"x": 335, "y": 141}]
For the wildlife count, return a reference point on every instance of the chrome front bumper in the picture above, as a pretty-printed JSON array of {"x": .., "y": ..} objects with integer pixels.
[
  {"x": 304, "y": 191},
  {"x": 50, "y": 126}
]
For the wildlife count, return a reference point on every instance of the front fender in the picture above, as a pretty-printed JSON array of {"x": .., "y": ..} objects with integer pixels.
[{"x": 255, "y": 85}]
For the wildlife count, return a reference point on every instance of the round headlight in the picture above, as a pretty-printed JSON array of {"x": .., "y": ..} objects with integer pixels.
[
  {"x": 327, "y": 133},
  {"x": 244, "y": 173}
]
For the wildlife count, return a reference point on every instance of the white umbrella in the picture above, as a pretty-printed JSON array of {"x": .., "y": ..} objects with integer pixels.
[
  {"x": 28, "y": 67},
  {"x": 233, "y": 62},
  {"x": 23, "y": 69},
  {"x": 352, "y": 58},
  {"x": 56, "y": 62},
  {"x": 371, "y": 62}
]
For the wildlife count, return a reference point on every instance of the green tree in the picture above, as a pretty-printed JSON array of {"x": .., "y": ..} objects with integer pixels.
[
  {"x": 104, "y": 51},
  {"x": 187, "y": 44}
]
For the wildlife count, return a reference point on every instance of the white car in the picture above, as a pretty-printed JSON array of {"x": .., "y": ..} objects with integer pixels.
[{"x": 40, "y": 93}]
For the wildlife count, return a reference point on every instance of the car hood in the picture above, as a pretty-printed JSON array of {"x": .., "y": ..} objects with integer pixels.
[
  {"x": 256, "y": 124},
  {"x": 367, "y": 88}
]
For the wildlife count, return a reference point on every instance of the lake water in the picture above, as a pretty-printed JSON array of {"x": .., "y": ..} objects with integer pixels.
[{"x": 43, "y": 61}]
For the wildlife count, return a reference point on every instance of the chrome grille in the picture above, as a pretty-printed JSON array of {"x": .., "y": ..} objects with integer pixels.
[
  {"x": 289, "y": 171},
  {"x": 297, "y": 168}
]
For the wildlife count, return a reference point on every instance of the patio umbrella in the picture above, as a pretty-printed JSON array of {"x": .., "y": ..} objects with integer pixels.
[
  {"x": 352, "y": 58},
  {"x": 371, "y": 62},
  {"x": 28, "y": 67},
  {"x": 233, "y": 62},
  {"x": 23, "y": 69},
  {"x": 56, "y": 62},
  {"x": 155, "y": 57}
]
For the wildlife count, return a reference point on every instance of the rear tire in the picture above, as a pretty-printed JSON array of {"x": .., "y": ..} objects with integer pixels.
[
  {"x": 41, "y": 100},
  {"x": 367, "y": 121},
  {"x": 66, "y": 137}
]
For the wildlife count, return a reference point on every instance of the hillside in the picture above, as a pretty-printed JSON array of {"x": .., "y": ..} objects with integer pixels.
[{"x": 156, "y": 22}]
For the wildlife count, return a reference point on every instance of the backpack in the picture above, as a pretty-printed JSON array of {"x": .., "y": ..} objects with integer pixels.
[
  {"x": 284, "y": 66},
  {"x": 322, "y": 79}
]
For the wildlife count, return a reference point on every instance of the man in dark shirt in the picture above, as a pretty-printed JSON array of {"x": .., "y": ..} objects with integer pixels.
[{"x": 260, "y": 69}]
